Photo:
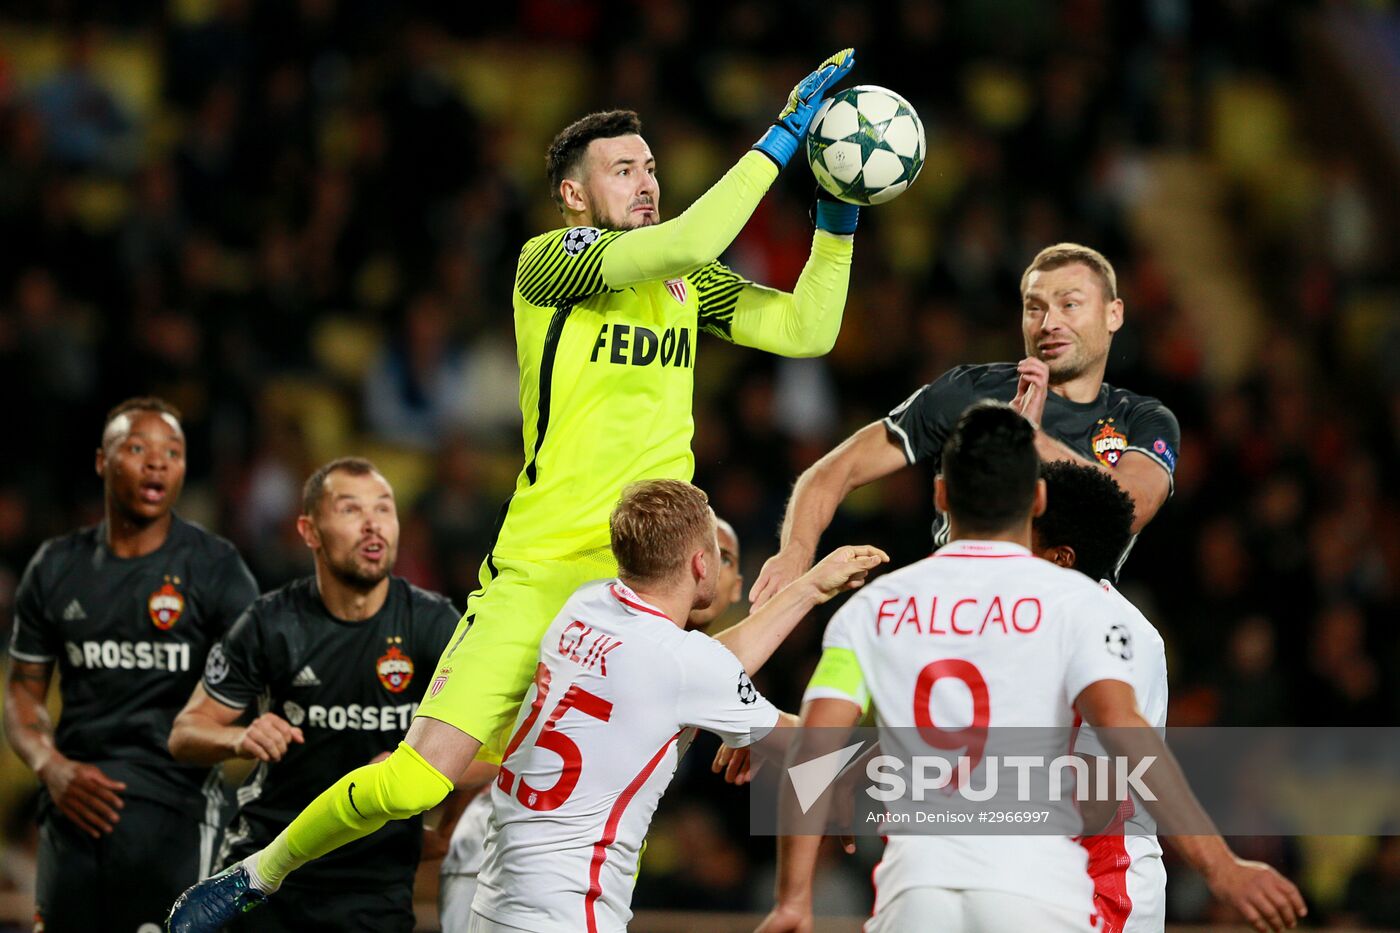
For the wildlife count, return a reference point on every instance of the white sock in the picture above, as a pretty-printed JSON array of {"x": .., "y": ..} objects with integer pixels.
[{"x": 250, "y": 865}]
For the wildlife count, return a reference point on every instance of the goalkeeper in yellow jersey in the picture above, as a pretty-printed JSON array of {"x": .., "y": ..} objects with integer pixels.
[{"x": 608, "y": 310}]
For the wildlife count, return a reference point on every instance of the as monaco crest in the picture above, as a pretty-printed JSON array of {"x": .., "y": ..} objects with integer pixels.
[
  {"x": 677, "y": 289},
  {"x": 439, "y": 682},
  {"x": 395, "y": 669},
  {"x": 166, "y": 605}
]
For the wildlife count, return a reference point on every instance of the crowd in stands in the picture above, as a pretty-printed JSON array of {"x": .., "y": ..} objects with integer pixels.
[{"x": 298, "y": 221}]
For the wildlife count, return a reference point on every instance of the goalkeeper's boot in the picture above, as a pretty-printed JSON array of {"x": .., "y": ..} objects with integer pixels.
[{"x": 213, "y": 902}]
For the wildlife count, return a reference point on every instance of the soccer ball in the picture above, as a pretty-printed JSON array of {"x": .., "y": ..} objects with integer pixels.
[{"x": 866, "y": 145}]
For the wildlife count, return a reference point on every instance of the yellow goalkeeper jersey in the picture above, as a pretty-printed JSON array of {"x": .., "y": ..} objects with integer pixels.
[
  {"x": 606, "y": 386},
  {"x": 606, "y": 328}
]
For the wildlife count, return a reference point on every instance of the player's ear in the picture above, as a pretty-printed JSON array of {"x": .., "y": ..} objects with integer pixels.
[
  {"x": 699, "y": 566},
  {"x": 940, "y": 494},
  {"x": 1038, "y": 506},
  {"x": 1061, "y": 555},
  {"x": 307, "y": 529},
  {"x": 1114, "y": 313},
  {"x": 575, "y": 199},
  {"x": 101, "y": 461}
]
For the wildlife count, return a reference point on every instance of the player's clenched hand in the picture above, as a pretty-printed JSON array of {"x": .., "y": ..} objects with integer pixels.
[
  {"x": 783, "y": 919},
  {"x": 267, "y": 738},
  {"x": 845, "y": 569},
  {"x": 736, "y": 763},
  {"x": 1031, "y": 387},
  {"x": 778, "y": 571},
  {"x": 83, "y": 794},
  {"x": 1268, "y": 900}
]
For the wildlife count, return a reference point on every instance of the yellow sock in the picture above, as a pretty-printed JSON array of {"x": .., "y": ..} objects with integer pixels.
[{"x": 400, "y": 786}]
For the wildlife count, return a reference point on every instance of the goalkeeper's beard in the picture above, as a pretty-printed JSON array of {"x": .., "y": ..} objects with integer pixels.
[{"x": 604, "y": 221}]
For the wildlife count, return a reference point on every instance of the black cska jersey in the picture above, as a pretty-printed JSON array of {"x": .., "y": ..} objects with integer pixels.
[
  {"x": 351, "y": 687},
  {"x": 1101, "y": 430},
  {"x": 129, "y": 637}
]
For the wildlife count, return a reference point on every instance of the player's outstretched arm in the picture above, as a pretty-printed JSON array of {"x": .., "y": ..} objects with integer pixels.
[
  {"x": 708, "y": 226},
  {"x": 802, "y": 323},
  {"x": 754, "y": 640},
  {"x": 1267, "y": 900},
  {"x": 697, "y": 236},
  {"x": 862, "y": 458},
  {"x": 738, "y": 764},
  {"x": 207, "y": 732}
]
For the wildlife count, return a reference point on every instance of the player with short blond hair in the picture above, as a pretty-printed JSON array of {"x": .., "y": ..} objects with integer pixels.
[
  {"x": 462, "y": 865},
  {"x": 1060, "y": 255},
  {"x": 620, "y": 678},
  {"x": 654, "y": 525}
]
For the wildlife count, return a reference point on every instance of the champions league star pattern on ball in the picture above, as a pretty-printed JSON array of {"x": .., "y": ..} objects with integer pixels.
[{"x": 866, "y": 145}]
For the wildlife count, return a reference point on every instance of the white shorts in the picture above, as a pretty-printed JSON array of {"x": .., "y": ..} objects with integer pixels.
[
  {"x": 479, "y": 924},
  {"x": 455, "y": 893},
  {"x": 1147, "y": 887},
  {"x": 974, "y": 911}
]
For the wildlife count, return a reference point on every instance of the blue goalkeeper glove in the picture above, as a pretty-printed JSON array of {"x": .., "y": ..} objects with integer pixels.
[
  {"x": 790, "y": 129},
  {"x": 833, "y": 215}
]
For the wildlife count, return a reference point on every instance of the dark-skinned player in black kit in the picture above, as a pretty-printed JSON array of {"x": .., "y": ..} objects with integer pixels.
[{"x": 125, "y": 611}]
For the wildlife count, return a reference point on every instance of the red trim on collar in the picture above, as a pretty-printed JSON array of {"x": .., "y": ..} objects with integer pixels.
[{"x": 637, "y": 603}]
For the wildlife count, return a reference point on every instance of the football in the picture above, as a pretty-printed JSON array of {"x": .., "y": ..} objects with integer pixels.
[{"x": 866, "y": 145}]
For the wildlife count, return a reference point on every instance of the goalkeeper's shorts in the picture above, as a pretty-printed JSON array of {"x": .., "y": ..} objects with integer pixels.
[{"x": 490, "y": 663}]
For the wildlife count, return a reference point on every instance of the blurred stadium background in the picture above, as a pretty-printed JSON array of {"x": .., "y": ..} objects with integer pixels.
[{"x": 297, "y": 220}]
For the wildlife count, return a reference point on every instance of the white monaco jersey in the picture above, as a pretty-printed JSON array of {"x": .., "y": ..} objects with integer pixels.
[
  {"x": 593, "y": 751},
  {"x": 982, "y": 633},
  {"x": 1130, "y": 881}
]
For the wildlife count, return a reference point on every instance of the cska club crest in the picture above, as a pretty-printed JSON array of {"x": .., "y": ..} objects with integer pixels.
[
  {"x": 395, "y": 669},
  {"x": 677, "y": 289},
  {"x": 166, "y": 605},
  {"x": 1109, "y": 444}
]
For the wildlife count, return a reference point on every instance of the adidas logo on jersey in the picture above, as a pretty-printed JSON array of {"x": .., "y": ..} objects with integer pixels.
[
  {"x": 73, "y": 612},
  {"x": 306, "y": 677}
]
